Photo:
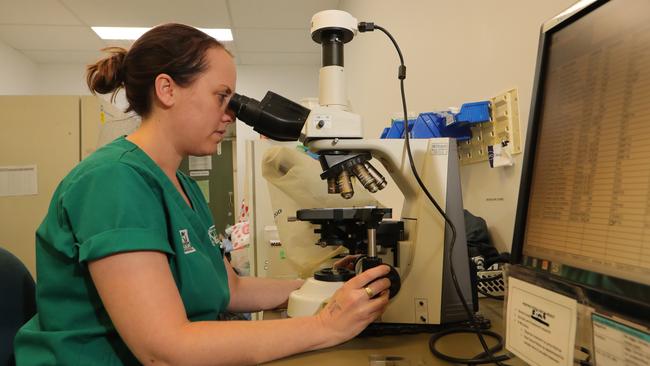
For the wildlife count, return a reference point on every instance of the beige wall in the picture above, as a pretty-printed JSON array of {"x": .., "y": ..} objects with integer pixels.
[
  {"x": 35, "y": 130},
  {"x": 51, "y": 132},
  {"x": 61, "y": 79},
  {"x": 17, "y": 72},
  {"x": 455, "y": 51}
]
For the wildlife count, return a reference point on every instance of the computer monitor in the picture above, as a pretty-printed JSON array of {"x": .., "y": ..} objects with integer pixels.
[{"x": 583, "y": 215}]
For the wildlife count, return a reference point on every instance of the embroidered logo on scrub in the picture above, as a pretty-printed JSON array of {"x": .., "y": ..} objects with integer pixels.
[
  {"x": 185, "y": 239},
  {"x": 212, "y": 233}
]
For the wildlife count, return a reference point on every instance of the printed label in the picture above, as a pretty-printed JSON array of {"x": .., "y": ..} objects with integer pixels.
[{"x": 185, "y": 240}]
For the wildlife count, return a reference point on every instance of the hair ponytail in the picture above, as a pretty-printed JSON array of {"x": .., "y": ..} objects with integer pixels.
[{"x": 107, "y": 75}]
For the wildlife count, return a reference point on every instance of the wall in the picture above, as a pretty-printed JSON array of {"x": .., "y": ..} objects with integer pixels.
[
  {"x": 17, "y": 72},
  {"x": 21, "y": 76},
  {"x": 53, "y": 147},
  {"x": 61, "y": 79},
  {"x": 455, "y": 51}
]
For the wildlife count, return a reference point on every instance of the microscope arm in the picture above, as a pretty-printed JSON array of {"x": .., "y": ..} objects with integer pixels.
[{"x": 393, "y": 156}]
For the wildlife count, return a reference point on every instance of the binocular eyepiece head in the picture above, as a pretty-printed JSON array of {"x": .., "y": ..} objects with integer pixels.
[{"x": 275, "y": 116}]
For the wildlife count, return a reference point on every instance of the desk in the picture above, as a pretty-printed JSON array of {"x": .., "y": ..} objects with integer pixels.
[{"x": 414, "y": 347}]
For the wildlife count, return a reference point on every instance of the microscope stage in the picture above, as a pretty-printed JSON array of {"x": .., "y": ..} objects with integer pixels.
[{"x": 365, "y": 214}]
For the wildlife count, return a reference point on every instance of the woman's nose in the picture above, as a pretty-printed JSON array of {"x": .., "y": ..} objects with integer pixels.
[{"x": 228, "y": 116}]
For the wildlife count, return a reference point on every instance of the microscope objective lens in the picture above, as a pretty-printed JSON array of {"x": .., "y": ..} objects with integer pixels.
[
  {"x": 364, "y": 177},
  {"x": 332, "y": 186},
  {"x": 379, "y": 179},
  {"x": 345, "y": 185}
]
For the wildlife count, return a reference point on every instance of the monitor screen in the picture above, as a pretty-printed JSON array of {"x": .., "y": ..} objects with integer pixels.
[{"x": 584, "y": 205}]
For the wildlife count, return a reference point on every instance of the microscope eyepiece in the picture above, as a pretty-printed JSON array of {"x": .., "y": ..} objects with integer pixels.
[
  {"x": 275, "y": 116},
  {"x": 244, "y": 108}
]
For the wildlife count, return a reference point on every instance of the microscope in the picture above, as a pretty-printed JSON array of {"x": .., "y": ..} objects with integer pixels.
[{"x": 418, "y": 246}]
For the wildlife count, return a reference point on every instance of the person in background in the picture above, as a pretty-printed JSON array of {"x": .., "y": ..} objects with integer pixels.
[{"x": 129, "y": 271}]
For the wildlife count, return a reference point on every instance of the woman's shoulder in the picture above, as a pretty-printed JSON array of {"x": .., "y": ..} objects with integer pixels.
[
  {"x": 118, "y": 150},
  {"x": 116, "y": 160}
]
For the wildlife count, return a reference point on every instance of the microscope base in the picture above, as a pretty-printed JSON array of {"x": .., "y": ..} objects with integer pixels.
[{"x": 311, "y": 297}]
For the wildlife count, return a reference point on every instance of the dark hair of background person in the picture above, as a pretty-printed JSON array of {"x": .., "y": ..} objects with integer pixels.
[{"x": 177, "y": 50}]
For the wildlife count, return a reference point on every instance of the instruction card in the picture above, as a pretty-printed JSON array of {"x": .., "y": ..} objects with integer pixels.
[
  {"x": 618, "y": 344},
  {"x": 540, "y": 324}
]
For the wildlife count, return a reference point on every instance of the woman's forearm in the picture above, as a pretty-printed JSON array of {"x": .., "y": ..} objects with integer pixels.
[
  {"x": 143, "y": 302},
  {"x": 241, "y": 342},
  {"x": 255, "y": 294}
]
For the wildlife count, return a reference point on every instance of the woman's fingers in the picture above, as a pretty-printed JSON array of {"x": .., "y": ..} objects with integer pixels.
[
  {"x": 375, "y": 307},
  {"x": 365, "y": 277},
  {"x": 376, "y": 287},
  {"x": 347, "y": 261},
  {"x": 351, "y": 308}
]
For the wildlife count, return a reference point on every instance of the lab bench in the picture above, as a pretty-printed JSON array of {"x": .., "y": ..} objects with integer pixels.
[{"x": 414, "y": 348}]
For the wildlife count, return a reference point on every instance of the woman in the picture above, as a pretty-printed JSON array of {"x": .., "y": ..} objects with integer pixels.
[{"x": 127, "y": 272}]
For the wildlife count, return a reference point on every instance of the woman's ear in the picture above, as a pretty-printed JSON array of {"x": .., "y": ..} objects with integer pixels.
[{"x": 165, "y": 90}]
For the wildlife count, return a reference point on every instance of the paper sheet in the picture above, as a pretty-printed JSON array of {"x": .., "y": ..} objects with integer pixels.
[
  {"x": 199, "y": 173},
  {"x": 200, "y": 162},
  {"x": 540, "y": 324},
  {"x": 18, "y": 180}
]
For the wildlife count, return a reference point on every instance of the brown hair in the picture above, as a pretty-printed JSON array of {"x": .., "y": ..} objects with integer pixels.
[{"x": 174, "y": 49}]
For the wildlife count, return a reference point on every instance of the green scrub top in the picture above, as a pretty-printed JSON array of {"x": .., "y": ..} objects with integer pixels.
[{"x": 116, "y": 200}]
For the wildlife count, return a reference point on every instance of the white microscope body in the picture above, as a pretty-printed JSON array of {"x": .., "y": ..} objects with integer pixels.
[{"x": 427, "y": 294}]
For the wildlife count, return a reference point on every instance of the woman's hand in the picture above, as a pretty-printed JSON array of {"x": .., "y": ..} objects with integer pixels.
[
  {"x": 351, "y": 308},
  {"x": 347, "y": 262}
]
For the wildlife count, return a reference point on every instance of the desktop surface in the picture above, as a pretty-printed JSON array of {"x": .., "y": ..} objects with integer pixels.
[{"x": 414, "y": 349}]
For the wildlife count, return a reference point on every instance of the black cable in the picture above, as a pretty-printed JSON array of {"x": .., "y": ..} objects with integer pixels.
[
  {"x": 364, "y": 27},
  {"x": 476, "y": 360}
]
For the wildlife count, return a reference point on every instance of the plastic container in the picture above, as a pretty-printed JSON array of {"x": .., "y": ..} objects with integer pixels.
[{"x": 476, "y": 112}]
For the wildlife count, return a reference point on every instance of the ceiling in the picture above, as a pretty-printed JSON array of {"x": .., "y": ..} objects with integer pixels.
[{"x": 265, "y": 32}]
